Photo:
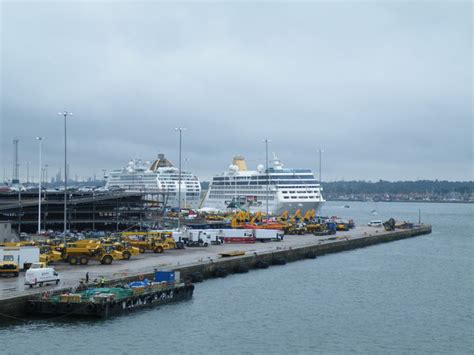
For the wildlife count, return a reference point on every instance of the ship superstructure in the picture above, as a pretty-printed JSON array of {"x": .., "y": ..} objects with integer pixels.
[
  {"x": 285, "y": 189},
  {"x": 160, "y": 177}
]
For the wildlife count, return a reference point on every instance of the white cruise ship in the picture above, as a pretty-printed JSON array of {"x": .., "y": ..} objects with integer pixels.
[
  {"x": 160, "y": 178},
  {"x": 288, "y": 189}
]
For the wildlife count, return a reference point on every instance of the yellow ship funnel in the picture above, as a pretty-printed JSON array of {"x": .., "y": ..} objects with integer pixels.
[{"x": 239, "y": 161}]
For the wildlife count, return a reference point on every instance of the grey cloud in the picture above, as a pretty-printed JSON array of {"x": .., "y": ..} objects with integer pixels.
[{"x": 386, "y": 89}]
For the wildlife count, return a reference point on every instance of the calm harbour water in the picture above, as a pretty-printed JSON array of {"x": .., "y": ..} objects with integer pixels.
[{"x": 408, "y": 296}]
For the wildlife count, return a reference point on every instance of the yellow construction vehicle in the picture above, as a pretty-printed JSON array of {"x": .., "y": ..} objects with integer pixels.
[
  {"x": 295, "y": 229},
  {"x": 82, "y": 253},
  {"x": 341, "y": 226},
  {"x": 49, "y": 255},
  {"x": 240, "y": 219},
  {"x": 314, "y": 227},
  {"x": 145, "y": 243},
  {"x": 127, "y": 249},
  {"x": 309, "y": 216},
  {"x": 214, "y": 217},
  {"x": 296, "y": 217},
  {"x": 17, "y": 244},
  {"x": 257, "y": 218},
  {"x": 9, "y": 266},
  {"x": 283, "y": 217}
]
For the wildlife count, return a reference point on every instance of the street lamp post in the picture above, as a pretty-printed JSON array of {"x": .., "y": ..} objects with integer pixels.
[
  {"x": 266, "y": 170},
  {"x": 186, "y": 189},
  {"x": 65, "y": 114},
  {"x": 27, "y": 172},
  {"x": 46, "y": 175},
  {"x": 180, "y": 130},
  {"x": 320, "y": 151},
  {"x": 40, "y": 139}
]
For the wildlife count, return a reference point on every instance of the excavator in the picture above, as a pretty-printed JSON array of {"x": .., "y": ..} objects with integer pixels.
[
  {"x": 240, "y": 219},
  {"x": 283, "y": 218},
  {"x": 309, "y": 216},
  {"x": 258, "y": 222},
  {"x": 257, "y": 218},
  {"x": 297, "y": 217}
]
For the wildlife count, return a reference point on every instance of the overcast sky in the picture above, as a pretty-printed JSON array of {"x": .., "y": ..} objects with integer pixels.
[{"x": 384, "y": 88}]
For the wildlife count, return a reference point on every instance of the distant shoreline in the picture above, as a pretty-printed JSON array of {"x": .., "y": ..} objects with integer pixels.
[{"x": 463, "y": 202}]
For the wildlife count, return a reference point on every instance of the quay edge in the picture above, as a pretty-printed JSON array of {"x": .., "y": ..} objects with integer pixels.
[{"x": 16, "y": 306}]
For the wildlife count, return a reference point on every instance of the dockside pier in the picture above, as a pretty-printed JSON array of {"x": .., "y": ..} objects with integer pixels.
[{"x": 203, "y": 263}]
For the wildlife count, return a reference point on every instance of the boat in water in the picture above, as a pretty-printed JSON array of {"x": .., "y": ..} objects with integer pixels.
[
  {"x": 160, "y": 177},
  {"x": 285, "y": 189}
]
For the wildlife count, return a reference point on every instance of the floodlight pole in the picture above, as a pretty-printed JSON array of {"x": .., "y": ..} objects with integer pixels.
[
  {"x": 65, "y": 114},
  {"x": 40, "y": 139},
  {"x": 180, "y": 130}
]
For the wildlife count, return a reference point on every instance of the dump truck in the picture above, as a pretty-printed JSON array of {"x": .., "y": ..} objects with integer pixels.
[{"x": 81, "y": 254}]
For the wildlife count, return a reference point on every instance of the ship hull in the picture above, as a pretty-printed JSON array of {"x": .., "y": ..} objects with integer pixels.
[{"x": 274, "y": 208}]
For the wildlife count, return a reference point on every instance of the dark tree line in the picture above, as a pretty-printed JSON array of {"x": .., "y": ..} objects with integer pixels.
[{"x": 433, "y": 187}]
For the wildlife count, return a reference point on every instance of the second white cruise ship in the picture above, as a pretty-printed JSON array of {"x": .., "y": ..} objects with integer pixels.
[
  {"x": 161, "y": 177},
  {"x": 288, "y": 189}
]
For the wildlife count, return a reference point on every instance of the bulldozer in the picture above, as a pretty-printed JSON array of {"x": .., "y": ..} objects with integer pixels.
[{"x": 295, "y": 229}]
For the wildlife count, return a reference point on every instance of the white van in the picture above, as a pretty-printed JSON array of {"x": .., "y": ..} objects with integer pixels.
[
  {"x": 41, "y": 276},
  {"x": 375, "y": 223}
]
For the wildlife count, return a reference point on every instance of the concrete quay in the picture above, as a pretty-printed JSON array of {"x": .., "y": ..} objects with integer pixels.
[{"x": 205, "y": 261}]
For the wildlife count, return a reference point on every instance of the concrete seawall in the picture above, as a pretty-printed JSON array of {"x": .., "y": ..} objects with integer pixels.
[
  {"x": 208, "y": 269},
  {"x": 15, "y": 306}
]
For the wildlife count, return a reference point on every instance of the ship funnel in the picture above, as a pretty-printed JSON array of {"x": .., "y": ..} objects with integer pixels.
[
  {"x": 161, "y": 162},
  {"x": 239, "y": 161}
]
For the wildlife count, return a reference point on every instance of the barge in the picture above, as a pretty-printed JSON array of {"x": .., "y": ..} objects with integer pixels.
[{"x": 108, "y": 301}]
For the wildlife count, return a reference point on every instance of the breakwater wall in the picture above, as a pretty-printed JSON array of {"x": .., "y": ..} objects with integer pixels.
[{"x": 219, "y": 267}]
